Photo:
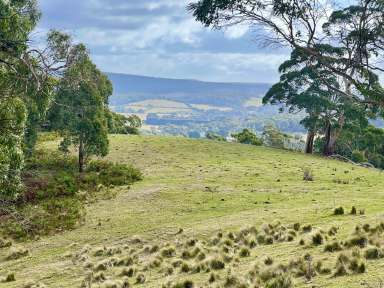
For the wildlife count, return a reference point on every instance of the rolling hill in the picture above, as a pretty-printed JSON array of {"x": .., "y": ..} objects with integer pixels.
[
  {"x": 239, "y": 204},
  {"x": 133, "y": 88}
]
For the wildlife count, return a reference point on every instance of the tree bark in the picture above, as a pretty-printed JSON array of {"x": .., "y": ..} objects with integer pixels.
[
  {"x": 310, "y": 141},
  {"x": 81, "y": 156}
]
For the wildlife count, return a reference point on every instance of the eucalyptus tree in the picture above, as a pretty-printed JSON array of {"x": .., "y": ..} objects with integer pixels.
[
  {"x": 301, "y": 88},
  {"x": 27, "y": 81},
  {"x": 80, "y": 111},
  {"x": 348, "y": 42}
]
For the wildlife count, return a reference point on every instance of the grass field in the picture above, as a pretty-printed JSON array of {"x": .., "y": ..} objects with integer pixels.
[{"x": 197, "y": 188}]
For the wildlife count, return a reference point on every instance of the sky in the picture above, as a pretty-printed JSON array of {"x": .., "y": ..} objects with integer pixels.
[{"x": 160, "y": 38}]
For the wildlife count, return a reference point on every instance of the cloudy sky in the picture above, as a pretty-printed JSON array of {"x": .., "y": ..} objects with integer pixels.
[{"x": 159, "y": 38}]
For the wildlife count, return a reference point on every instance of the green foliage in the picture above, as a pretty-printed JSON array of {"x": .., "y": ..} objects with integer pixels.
[
  {"x": 247, "y": 137},
  {"x": 81, "y": 112},
  {"x": 273, "y": 137},
  {"x": 121, "y": 124},
  {"x": 51, "y": 200},
  {"x": 214, "y": 136},
  {"x": 358, "y": 156}
]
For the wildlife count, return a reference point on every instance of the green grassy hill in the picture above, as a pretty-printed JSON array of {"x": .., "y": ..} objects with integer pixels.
[{"x": 193, "y": 189}]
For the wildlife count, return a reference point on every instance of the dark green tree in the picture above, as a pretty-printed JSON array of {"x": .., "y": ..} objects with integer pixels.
[
  {"x": 348, "y": 46},
  {"x": 301, "y": 88},
  {"x": 80, "y": 110},
  {"x": 122, "y": 124},
  {"x": 247, "y": 137}
]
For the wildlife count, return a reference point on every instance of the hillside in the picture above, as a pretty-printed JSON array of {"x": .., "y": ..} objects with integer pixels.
[
  {"x": 133, "y": 88},
  {"x": 205, "y": 187},
  {"x": 192, "y": 108}
]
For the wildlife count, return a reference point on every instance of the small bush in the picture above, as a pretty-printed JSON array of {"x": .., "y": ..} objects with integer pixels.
[
  {"x": 338, "y": 211},
  {"x": 358, "y": 156}
]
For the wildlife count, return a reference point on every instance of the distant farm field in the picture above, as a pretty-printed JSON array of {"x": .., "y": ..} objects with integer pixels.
[{"x": 199, "y": 189}]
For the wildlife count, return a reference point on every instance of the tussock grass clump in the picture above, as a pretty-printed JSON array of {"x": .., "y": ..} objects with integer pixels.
[
  {"x": 213, "y": 277},
  {"x": 308, "y": 174},
  {"x": 99, "y": 277},
  {"x": 185, "y": 284},
  {"x": 307, "y": 228},
  {"x": 154, "y": 249},
  {"x": 317, "y": 239},
  {"x": 373, "y": 253},
  {"x": 268, "y": 261},
  {"x": 332, "y": 231},
  {"x": 280, "y": 281},
  {"x": 338, "y": 211},
  {"x": 5, "y": 243},
  {"x": 216, "y": 264},
  {"x": 125, "y": 261},
  {"x": 321, "y": 269},
  {"x": 357, "y": 240},
  {"x": 353, "y": 210},
  {"x": 17, "y": 253},
  {"x": 140, "y": 279},
  {"x": 340, "y": 270},
  {"x": 357, "y": 266},
  {"x": 296, "y": 227},
  {"x": 128, "y": 272},
  {"x": 244, "y": 252},
  {"x": 333, "y": 247},
  {"x": 185, "y": 268},
  {"x": 102, "y": 265},
  {"x": 168, "y": 252},
  {"x": 9, "y": 278}
]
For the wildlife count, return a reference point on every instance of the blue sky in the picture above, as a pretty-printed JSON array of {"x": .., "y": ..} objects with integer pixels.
[{"x": 159, "y": 38}]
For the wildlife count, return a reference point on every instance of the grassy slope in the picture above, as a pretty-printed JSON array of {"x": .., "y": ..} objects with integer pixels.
[{"x": 202, "y": 187}]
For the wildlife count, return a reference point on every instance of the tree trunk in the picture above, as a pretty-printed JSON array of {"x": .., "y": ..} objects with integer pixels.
[
  {"x": 330, "y": 141},
  {"x": 81, "y": 156},
  {"x": 310, "y": 141}
]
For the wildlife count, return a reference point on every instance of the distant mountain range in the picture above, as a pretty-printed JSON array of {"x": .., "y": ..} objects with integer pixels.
[{"x": 133, "y": 88}]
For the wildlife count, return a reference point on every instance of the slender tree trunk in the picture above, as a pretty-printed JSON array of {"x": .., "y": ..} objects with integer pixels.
[
  {"x": 310, "y": 141},
  {"x": 81, "y": 156},
  {"x": 330, "y": 141}
]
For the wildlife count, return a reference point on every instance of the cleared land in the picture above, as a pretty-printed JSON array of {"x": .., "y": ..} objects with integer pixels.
[{"x": 205, "y": 187}]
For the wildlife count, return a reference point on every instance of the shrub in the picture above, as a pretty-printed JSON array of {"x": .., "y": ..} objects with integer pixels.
[
  {"x": 247, "y": 137},
  {"x": 358, "y": 156},
  {"x": 338, "y": 211}
]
